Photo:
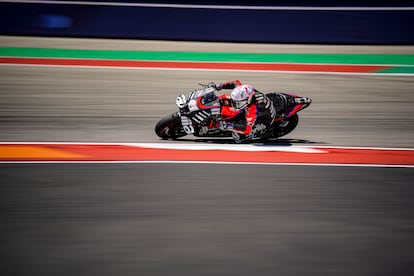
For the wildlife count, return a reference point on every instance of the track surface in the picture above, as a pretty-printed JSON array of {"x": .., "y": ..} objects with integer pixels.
[
  {"x": 107, "y": 105},
  {"x": 149, "y": 219},
  {"x": 131, "y": 219}
]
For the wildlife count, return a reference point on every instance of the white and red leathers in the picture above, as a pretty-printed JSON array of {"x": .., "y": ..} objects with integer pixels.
[{"x": 257, "y": 106}]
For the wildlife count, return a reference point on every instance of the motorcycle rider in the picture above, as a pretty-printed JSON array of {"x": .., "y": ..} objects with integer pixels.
[{"x": 256, "y": 109}]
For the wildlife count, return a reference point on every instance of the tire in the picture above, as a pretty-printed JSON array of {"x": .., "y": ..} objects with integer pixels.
[
  {"x": 170, "y": 127},
  {"x": 282, "y": 131}
]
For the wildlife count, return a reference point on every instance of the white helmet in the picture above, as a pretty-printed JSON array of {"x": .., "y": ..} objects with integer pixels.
[{"x": 242, "y": 96}]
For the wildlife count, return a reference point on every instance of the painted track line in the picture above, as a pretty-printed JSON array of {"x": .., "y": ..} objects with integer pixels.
[
  {"x": 209, "y": 163},
  {"x": 224, "y": 7},
  {"x": 214, "y": 70},
  {"x": 291, "y": 67},
  {"x": 192, "y": 153}
]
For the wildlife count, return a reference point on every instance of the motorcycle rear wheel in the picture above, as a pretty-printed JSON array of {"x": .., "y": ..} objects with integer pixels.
[
  {"x": 170, "y": 127},
  {"x": 292, "y": 124}
]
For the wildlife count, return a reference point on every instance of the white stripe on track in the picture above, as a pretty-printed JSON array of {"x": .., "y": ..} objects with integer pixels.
[
  {"x": 221, "y": 7},
  {"x": 210, "y": 163},
  {"x": 229, "y": 147},
  {"x": 211, "y": 70}
]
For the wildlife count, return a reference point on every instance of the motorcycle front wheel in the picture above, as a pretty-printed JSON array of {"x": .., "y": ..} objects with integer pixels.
[{"x": 170, "y": 127}]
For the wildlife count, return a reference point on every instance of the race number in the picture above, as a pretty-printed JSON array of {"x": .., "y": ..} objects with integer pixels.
[
  {"x": 180, "y": 101},
  {"x": 187, "y": 125}
]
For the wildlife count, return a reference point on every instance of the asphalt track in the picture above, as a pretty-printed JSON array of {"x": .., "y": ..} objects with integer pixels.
[{"x": 198, "y": 219}]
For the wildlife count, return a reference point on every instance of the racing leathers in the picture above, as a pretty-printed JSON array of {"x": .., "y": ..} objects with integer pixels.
[{"x": 253, "y": 120}]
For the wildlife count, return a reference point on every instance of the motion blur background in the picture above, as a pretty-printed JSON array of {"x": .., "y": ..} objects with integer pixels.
[
  {"x": 201, "y": 219},
  {"x": 344, "y": 22}
]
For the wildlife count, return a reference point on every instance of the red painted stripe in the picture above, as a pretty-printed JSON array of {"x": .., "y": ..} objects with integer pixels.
[
  {"x": 197, "y": 65},
  {"x": 296, "y": 109},
  {"x": 94, "y": 152}
]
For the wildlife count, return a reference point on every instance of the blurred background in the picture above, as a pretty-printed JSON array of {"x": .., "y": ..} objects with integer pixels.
[
  {"x": 201, "y": 219},
  {"x": 331, "y": 22}
]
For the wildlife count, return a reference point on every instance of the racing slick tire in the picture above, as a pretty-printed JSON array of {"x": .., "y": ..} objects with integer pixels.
[
  {"x": 170, "y": 127},
  {"x": 291, "y": 125}
]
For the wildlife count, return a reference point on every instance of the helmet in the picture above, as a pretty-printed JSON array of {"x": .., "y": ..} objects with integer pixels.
[{"x": 242, "y": 96}]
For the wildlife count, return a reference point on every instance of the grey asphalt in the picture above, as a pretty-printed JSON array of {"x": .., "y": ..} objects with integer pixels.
[
  {"x": 189, "y": 219},
  {"x": 165, "y": 219}
]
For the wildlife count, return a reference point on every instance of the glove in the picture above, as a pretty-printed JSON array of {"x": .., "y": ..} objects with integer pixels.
[
  {"x": 216, "y": 86},
  {"x": 211, "y": 84}
]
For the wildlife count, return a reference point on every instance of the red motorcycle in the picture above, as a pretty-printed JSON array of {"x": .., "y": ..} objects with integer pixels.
[{"x": 204, "y": 114}]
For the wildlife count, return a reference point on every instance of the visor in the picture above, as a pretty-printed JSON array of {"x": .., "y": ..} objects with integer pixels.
[{"x": 240, "y": 104}]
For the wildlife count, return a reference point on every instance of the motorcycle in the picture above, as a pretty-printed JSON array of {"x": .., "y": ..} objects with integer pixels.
[{"x": 205, "y": 114}]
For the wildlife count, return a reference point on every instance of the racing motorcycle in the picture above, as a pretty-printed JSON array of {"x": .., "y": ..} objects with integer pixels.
[{"x": 205, "y": 114}]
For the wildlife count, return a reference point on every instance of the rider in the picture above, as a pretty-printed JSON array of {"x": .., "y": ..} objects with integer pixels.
[{"x": 259, "y": 111}]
